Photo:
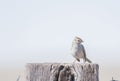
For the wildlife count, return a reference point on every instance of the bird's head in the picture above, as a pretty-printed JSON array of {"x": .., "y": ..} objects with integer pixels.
[{"x": 78, "y": 40}]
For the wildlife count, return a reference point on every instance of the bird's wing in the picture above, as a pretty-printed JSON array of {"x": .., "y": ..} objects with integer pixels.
[{"x": 83, "y": 50}]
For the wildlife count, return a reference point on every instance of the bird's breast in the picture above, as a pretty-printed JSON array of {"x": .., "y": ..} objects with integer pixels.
[{"x": 77, "y": 52}]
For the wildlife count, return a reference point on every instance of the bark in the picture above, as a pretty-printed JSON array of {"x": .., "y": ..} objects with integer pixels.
[{"x": 62, "y": 72}]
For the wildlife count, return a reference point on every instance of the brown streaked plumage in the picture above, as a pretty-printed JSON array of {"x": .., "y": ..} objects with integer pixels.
[{"x": 78, "y": 50}]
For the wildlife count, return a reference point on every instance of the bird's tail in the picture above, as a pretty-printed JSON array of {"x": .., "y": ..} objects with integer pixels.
[
  {"x": 18, "y": 78},
  {"x": 88, "y": 60}
]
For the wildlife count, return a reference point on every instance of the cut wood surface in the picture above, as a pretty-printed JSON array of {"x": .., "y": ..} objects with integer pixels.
[{"x": 62, "y": 72}]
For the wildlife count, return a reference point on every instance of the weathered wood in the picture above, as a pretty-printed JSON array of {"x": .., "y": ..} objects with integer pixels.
[{"x": 62, "y": 72}]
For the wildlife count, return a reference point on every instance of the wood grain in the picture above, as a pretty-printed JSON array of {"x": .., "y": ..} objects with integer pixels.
[{"x": 62, "y": 72}]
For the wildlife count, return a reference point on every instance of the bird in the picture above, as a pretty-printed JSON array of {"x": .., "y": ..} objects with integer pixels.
[{"x": 78, "y": 50}]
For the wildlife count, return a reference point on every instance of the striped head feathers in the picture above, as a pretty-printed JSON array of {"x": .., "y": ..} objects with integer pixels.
[{"x": 78, "y": 40}]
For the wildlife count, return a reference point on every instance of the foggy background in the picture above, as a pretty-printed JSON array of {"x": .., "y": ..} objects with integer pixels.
[{"x": 40, "y": 31}]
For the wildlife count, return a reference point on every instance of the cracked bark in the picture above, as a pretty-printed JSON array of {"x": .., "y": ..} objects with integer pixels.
[{"x": 62, "y": 72}]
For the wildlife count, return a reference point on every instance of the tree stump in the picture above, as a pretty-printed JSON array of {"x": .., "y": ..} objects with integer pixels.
[{"x": 62, "y": 72}]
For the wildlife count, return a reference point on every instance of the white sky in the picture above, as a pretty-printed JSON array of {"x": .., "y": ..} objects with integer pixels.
[{"x": 43, "y": 30}]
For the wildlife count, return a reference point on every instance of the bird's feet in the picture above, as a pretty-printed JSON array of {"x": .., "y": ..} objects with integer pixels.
[{"x": 74, "y": 61}]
